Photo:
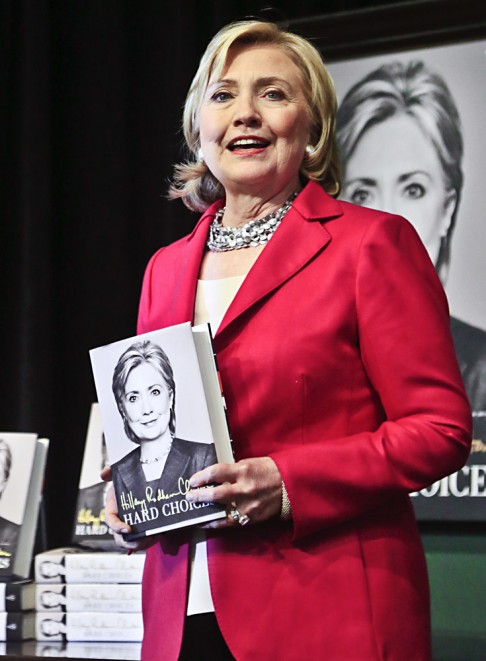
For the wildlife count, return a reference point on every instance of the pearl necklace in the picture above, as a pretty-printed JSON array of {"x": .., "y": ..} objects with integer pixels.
[
  {"x": 251, "y": 234},
  {"x": 156, "y": 459}
]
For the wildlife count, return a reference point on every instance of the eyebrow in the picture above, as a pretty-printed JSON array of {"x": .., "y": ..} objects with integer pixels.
[
  {"x": 268, "y": 80},
  {"x": 369, "y": 181},
  {"x": 154, "y": 385}
]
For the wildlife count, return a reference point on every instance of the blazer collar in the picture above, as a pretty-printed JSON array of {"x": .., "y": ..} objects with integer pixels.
[{"x": 296, "y": 241}]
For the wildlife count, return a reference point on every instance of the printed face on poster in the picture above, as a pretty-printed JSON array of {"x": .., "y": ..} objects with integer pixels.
[{"x": 462, "y": 67}]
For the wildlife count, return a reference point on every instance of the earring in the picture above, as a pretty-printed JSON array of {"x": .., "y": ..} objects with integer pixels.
[
  {"x": 200, "y": 155},
  {"x": 309, "y": 151}
]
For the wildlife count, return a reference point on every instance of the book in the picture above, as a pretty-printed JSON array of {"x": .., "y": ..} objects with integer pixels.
[
  {"x": 22, "y": 465},
  {"x": 17, "y": 595},
  {"x": 17, "y": 626},
  {"x": 94, "y": 626},
  {"x": 84, "y": 650},
  {"x": 77, "y": 565},
  {"x": 85, "y": 597},
  {"x": 90, "y": 529},
  {"x": 164, "y": 418}
]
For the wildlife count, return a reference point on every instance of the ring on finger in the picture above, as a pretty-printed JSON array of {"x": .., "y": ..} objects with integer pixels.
[
  {"x": 235, "y": 515},
  {"x": 244, "y": 519}
]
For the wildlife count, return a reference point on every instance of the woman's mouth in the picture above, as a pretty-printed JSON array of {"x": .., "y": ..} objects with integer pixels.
[
  {"x": 149, "y": 423},
  {"x": 247, "y": 144}
]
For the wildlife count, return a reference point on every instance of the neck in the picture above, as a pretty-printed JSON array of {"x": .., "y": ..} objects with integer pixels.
[
  {"x": 240, "y": 208},
  {"x": 150, "y": 451}
]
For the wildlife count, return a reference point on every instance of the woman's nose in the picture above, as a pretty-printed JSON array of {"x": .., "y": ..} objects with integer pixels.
[
  {"x": 246, "y": 111},
  {"x": 146, "y": 406}
]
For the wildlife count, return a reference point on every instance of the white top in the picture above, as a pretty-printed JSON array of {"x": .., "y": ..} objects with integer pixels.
[{"x": 213, "y": 298}]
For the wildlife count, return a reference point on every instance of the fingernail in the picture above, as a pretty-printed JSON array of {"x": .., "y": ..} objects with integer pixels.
[{"x": 124, "y": 531}]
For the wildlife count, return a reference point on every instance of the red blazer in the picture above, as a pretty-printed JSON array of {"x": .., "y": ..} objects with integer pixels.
[{"x": 336, "y": 361}]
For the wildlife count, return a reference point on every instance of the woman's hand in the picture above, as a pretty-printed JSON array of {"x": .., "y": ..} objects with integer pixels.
[
  {"x": 252, "y": 487},
  {"x": 117, "y": 526}
]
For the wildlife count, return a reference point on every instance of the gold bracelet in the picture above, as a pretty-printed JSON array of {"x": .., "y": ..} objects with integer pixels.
[{"x": 286, "y": 510}]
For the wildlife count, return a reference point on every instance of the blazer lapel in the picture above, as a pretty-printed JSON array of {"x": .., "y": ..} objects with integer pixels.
[
  {"x": 182, "y": 295},
  {"x": 175, "y": 467},
  {"x": 297, "y": 240},
  {"x": 133, "y": 475}
]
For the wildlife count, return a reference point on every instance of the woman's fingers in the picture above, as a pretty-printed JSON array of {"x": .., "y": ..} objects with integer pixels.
[
  {"x": 250, "y": 489},
  {"x": 106, "y": 474}
]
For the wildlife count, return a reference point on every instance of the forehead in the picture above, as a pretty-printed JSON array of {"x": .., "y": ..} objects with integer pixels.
[
  {"x": 394, "y": 146},
  {"x": 142, "y": 372},
  {"x": 259, "y": 61}
]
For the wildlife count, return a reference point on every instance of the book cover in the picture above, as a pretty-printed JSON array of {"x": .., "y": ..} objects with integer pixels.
[
  {"x": 72, "y": 597},
  {"x": 76, "y": 565},
  {"x": 17, "y": 626},
  {"x": 89, "y": 626},
  {"x": 90, "y": 529},
  {"x": 164, "y": 419},
  {"x": 17, "y": 595},
  {"x": 22, "y": 464}
]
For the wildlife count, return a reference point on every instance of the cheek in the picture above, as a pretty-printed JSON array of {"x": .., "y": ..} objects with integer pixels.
[{"x": 132, "y": 411}]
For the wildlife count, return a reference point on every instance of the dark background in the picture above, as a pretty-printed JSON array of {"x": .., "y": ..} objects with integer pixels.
[{"x": 91, "y": 103}]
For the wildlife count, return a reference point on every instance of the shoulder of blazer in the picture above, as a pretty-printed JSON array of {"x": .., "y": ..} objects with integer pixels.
[{"x": 127, "y": 460}]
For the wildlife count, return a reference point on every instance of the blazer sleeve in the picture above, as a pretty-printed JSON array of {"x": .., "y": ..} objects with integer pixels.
[{"x": 407, "y": 351}]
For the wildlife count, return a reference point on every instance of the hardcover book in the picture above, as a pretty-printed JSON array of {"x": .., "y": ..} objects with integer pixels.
[
  {"x": 22, "y": 464},
  {"x": 72, "y": 597},
  {"x": 17, "y": 626},
  {"x": 90, "y": 529},
  {"x": 75, "y": 565},
  {"x": 164, "y": 419},
  {"x": 17, "y": 595},
  {"x": 89, "y": 626}
]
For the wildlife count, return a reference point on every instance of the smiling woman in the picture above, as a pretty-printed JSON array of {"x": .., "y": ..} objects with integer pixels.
[{"x": 332, "y": 427}]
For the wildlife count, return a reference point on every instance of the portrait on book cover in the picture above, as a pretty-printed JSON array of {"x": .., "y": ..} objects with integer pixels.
[
  {"x": 9, "y": 529},
  {"x": 158, "y": 433},
  {"x": 410, "y": 135},
  {"x": 90, "y": 529}
]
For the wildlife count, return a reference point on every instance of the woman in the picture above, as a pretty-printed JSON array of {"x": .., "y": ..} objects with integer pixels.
[
  {"x": 400, "y": 139},
  {"x": 338, "y": 404},
  {"x": 144, "y": 389}
]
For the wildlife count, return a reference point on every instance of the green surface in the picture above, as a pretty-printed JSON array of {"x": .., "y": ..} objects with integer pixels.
[{"x": 456, "y": 559}]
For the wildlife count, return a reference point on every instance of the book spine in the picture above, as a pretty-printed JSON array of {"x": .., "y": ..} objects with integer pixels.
[
  {"x": 86, "y": 597},
  {"x": 90, "y": 568},
  {"x": 89, "y": 626}
]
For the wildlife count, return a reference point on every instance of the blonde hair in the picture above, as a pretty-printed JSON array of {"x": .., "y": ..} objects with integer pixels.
[{"x": 193, "y": 182}]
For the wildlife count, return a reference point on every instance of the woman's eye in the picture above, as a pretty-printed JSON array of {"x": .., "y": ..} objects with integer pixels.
[
  {"x": 221, "y": 96},
  {"x": 361, "y": 196},
  {"x": 275, "y": 95},
  {"x": 155, "y": 392},
  {"x": 132, "y": 398},
  {"x": 414, "y": 191}
]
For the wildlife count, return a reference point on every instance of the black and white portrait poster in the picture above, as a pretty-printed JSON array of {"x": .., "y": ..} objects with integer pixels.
[
  {"x": 157, "y": 427},
  {"x": 411, "y": 138}
]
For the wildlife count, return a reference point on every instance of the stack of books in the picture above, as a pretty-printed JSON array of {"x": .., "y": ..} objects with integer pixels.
[{"x": 88, "y": 596}]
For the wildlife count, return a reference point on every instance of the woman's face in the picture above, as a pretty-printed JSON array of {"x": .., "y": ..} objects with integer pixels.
[
  {"x": 395, "y": 168},
  {"x": 147, "y": 402},
  {"x": 254, "y": 122}
]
